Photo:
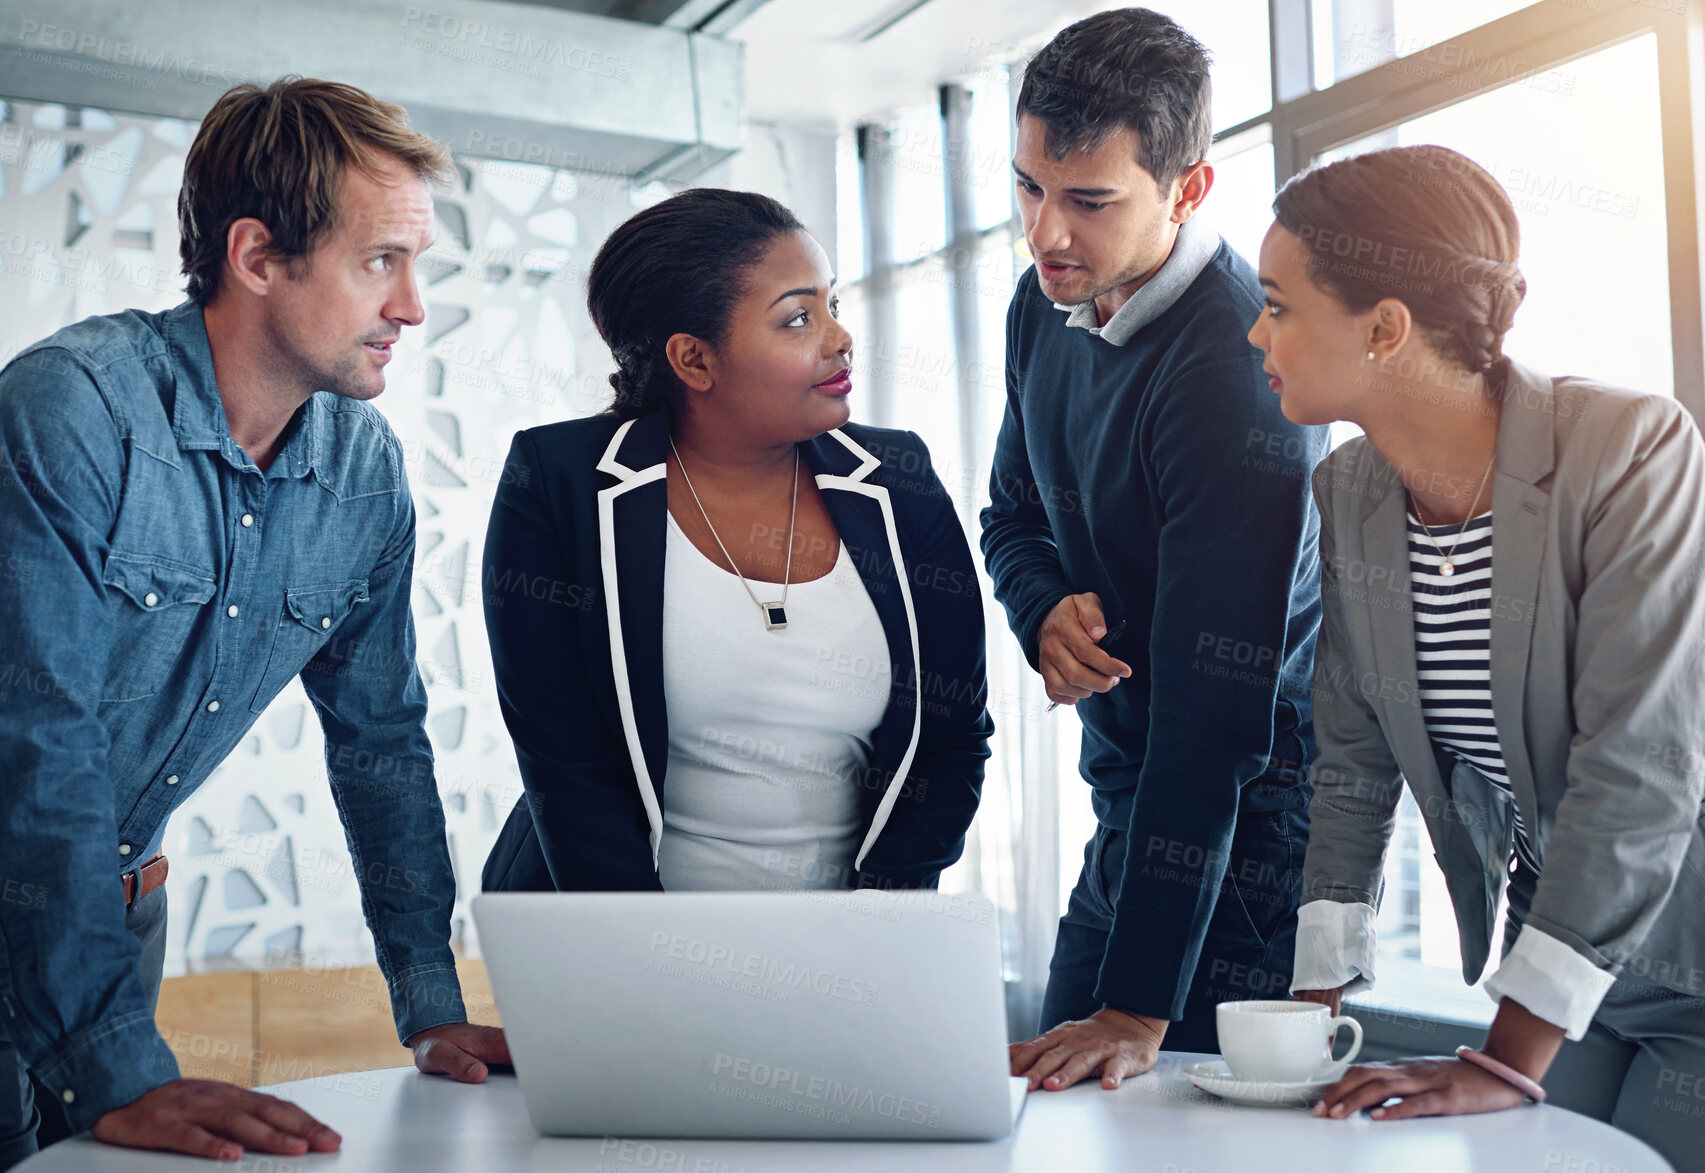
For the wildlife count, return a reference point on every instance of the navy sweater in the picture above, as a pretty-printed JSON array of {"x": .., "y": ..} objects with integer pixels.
[{"x": 1162, "y": 476}]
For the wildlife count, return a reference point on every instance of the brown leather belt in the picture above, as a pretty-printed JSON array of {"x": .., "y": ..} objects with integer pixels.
[{"x": 153, "y": 874}]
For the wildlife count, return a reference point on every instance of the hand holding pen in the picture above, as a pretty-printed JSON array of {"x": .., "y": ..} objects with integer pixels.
[{"x": 1070, "y": 651}]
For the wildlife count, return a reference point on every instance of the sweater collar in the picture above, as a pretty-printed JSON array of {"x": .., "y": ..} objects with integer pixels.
[{"x": 1191, "y": 251}]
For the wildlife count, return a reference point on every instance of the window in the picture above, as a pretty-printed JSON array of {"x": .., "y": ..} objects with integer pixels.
[
  {"x": 1235, "y": 34},
  {"x": 1240, "y": 203},
  {"x": 849, "y": 221},
  {"x": 989, "y": 155},
  {"x": 1353, "y": 36},
  {"x": 920, "y": 200},
  {"x": 1586, "y": 176}
]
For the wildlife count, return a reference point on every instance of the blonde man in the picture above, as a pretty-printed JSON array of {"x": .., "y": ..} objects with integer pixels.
[{"x": 209, "y": 509}]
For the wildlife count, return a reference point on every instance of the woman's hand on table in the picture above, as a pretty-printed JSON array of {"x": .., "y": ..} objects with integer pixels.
[
  {"x": 1435, "y": 1086},
  {"x": 460, "y": 1050}
]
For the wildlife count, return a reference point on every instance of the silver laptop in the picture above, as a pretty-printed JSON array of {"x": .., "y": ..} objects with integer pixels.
[{"x": 816, "y": 1015}]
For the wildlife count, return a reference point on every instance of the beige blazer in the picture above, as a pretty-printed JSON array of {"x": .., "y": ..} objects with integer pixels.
[{"x": 1597, "y": 642}]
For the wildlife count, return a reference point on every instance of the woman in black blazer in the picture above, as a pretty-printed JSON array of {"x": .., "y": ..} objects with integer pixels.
[{"x": 729, "y": 432}]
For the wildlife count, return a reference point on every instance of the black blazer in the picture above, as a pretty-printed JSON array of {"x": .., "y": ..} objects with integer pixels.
[{"x": 573, "y": 590}]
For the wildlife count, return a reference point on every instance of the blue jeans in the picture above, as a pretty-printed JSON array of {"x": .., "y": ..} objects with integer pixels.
[
  {"x": 1250, "y": 947},
  {"x": 28, "y": 1124}
]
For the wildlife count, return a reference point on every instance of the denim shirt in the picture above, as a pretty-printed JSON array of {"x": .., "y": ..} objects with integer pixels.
[{"x": 157, "y": 590}]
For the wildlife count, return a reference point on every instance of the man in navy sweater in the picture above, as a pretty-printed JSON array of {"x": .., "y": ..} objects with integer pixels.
[{"x": 1148, "y": 494}]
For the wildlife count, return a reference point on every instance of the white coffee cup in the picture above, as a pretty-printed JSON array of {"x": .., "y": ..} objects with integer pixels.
[{"x": 1283, "y": 1042}]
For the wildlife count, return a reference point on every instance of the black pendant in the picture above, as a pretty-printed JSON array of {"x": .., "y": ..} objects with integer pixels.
[{"x": 775, "y": 616}]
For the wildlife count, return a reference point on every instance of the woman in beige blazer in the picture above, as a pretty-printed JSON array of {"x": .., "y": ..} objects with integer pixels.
[{"x": 1513, "y": 624}]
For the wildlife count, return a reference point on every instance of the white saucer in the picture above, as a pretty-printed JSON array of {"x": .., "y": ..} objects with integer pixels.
[{"x": 1215, "y": 1078}]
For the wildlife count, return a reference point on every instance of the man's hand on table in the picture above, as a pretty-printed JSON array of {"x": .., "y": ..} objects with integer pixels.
[
  {"x": 460, "y": 1050},
  {"x": 206, "y": 1118},
  {"x": 1109, "y": 1042}
]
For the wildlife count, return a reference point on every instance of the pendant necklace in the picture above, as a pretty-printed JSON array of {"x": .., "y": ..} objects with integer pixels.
[
  {"x": 775, "y": 614},
  {"x": 1448, "y": 566}
]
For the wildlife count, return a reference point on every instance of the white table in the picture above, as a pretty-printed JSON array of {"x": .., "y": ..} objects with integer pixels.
[{"x": 398, "y": 1120}]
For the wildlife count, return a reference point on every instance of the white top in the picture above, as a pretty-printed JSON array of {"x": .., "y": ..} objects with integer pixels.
[{"x": 770, "y": 732}]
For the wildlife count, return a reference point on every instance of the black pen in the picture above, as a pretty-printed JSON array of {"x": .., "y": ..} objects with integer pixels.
[{"x": 1113, "y": 633}]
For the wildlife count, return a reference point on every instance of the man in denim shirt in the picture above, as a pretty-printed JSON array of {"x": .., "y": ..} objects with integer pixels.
[{"x": 201, "y": 507}]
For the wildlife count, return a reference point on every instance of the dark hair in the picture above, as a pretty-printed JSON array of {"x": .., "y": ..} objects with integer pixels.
[
  {"x": 277, "y": 154},
  {"x": 1126, "y": 68},
  {"x": 1425, "y": 225},
  {"x": 676, "y": 268}
]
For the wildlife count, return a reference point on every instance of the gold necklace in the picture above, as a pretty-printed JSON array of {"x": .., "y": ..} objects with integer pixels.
[{"x": 1448, "y": 566}]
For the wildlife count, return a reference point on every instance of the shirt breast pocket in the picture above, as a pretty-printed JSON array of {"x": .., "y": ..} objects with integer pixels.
[
  {"x": 157, "y": 603},
  {"x": 311, "y": 617}
]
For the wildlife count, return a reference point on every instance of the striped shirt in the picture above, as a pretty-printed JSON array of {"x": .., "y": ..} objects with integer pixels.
[{"x": 1453, "y": 650}]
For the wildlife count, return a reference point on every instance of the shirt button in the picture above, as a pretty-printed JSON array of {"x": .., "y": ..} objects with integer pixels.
[
  {"x": 231, "y": 610},
  {"x": 171, "y": 779},
  {"x": 248, "y": 520},
  {"x": 124, "y": 849},
  {"x": 326, "y": 622},
  {"x": 68, "y": 1096},
  {"x": 212, "y": 706},
  {"x": 149, "y": 599}
]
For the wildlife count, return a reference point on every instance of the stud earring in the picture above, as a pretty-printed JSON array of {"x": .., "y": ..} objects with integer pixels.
[{"x": 1370, "y": 356}]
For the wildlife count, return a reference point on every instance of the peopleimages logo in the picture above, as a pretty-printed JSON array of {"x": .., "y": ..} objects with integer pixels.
[
  {"x": 773, "y": 1080},
  {"x": 792, "y": 975}
]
